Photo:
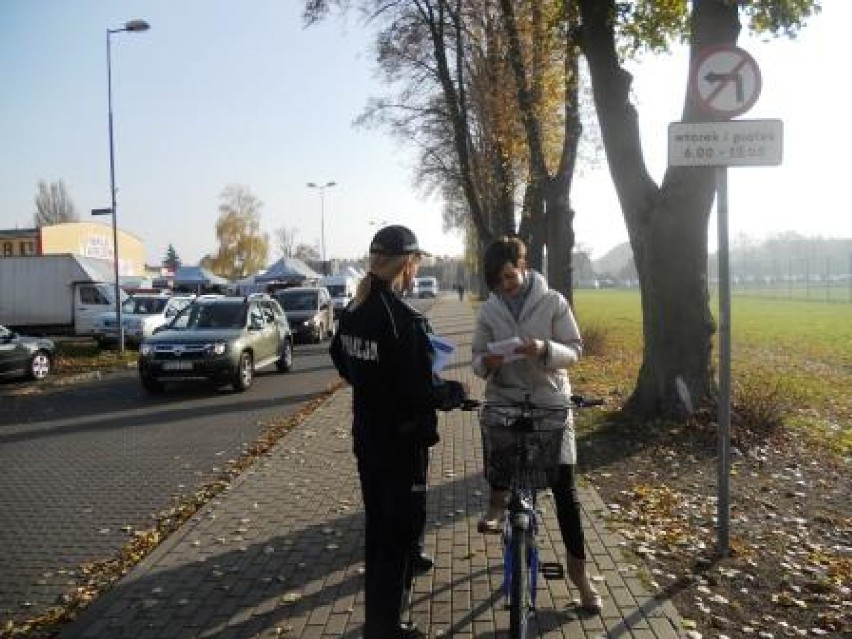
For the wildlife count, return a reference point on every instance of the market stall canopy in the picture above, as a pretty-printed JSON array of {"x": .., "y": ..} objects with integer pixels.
[
  {"x": 197, "y": 278},
  {"x": 288, "y": 270}
]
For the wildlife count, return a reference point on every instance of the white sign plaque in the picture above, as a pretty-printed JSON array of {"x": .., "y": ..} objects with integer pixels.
[{"x": 727, "y": 143}]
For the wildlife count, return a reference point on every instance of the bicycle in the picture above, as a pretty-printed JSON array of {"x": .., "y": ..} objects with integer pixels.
[{"x": 524, "y": 442}]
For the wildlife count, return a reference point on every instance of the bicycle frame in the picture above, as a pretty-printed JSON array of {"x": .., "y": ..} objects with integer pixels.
[
  {"x": 520, "y": 559},
  {"x": 521, "y": 563},
  {"x": 520, "y": 529}
]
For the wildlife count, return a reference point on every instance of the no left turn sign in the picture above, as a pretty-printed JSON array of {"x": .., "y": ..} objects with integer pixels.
[{"x": 725, "y": 80}]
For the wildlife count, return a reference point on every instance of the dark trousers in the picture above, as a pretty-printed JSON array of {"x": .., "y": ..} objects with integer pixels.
[
  {"x": 395, "y": 512},
  {"x": 568, "y": 511}
]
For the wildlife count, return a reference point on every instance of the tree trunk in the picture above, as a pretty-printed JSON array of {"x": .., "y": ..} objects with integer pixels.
[
  {"x": 560, "y": 238},
  {"x": 532, "y": 229},
  {"x": 455, "y": 101},
  {"x": 667, "y": 225},
  {"x": 676, "y": 372},
  {"x": 560, "y": 215},
  {"x": 548, "y": 218}
]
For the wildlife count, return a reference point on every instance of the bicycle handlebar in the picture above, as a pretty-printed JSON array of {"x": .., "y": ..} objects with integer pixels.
[{"x": 575, "y": 401}]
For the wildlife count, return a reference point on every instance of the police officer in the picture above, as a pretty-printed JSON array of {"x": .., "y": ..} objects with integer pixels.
[{"x": 383, "y": 350}]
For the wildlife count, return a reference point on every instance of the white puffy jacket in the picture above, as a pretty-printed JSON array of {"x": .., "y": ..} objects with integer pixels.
[{"x": 545, "y": 315}]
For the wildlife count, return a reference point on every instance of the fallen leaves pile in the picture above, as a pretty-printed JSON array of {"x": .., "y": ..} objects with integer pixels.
[
  {"x": 94, "y": 578},
  {"x": 789, "y": 569}
]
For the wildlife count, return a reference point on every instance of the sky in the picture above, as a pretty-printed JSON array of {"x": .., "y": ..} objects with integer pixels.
[{"x": 219, "y": 93}]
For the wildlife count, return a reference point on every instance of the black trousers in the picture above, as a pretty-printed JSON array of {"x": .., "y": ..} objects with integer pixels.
[
  {"x": 568, "y": 511},
  {"x": 395, "y": 510}
]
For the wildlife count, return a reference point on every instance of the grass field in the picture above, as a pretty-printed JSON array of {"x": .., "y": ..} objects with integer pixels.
[{"x": 802, "y": 348}]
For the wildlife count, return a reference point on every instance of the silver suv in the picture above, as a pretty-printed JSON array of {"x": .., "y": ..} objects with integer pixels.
[
  {"x": 309, "y": 311},
  {"x": 221, "y": 339},
  {"x": 141, "y": 314}
]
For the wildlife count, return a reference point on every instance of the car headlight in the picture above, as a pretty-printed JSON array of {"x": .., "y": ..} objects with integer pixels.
[
  {"x": 216, "y": 348},
  {"x": 145, "y": 350}
]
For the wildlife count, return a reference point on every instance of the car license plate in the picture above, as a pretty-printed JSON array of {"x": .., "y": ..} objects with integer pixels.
[{"x": 177, "y": 366}]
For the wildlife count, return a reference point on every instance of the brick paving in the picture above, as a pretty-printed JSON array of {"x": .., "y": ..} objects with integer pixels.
[{"x": 279, "y": 554}]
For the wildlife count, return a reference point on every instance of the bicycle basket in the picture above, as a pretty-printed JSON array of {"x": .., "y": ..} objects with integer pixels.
[{"x": 528, "y": 458}]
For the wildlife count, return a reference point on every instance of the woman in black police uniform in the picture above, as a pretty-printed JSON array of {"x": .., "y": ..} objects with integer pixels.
[{"x": 382, "y": 349}]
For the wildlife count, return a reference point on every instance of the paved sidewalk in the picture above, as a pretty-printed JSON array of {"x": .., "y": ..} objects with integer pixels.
[{"x": 279, "y": 554}]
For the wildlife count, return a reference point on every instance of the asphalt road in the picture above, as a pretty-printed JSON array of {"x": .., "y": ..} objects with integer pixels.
[{"x": 83, "y": 466}]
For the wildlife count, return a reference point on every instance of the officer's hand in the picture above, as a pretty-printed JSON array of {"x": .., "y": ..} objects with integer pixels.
[{"x": 451, "y": 394}]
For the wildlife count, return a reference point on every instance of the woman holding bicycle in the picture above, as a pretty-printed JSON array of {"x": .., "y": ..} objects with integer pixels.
[
  {"x": 382, "y": 349},
  {"x": 522, "y": 306}
]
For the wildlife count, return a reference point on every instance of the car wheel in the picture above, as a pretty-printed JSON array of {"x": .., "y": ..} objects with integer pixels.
[
  {"x": 244, "y": 374},
  {"x": 39, "y": 365},
  {"x": 151, "y": 385},
  {"x": 285, "y": 362}
]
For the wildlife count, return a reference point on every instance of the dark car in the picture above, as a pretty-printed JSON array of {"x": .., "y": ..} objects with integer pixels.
[
  {"x": 309, "y": 311},
  {"x": 22, "y": 356},
  {"x": 221, "y": 339}
]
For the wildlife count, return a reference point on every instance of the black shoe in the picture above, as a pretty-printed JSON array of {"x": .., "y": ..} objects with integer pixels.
[
  {"x": 409, "y": 630},
  {"x": 421, "y": 562}
]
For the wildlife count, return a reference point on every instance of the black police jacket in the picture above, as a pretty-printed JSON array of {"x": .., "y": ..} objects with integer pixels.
[{"x": 382, "y": 349}]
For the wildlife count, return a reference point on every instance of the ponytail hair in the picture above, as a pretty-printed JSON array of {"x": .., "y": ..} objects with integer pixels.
[{"x": 388, "y": 268}]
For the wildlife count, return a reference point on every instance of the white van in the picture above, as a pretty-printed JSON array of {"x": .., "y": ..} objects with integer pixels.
[
  {"x": 342, "y": 290},
  {"x": 425, "y": 287}
]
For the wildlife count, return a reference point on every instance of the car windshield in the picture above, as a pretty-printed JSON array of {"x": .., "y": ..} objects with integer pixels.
[
  {"x": 144, "y": 305},
  {"x": 212, "y": 316},
  {"x": 298, "y": 300}
]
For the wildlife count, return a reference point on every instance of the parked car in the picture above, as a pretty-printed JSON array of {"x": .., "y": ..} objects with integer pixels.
[
  {"x": 425, "y": 287},
  {"x": 141, "y": 314},
  {"x": 221, "y": 339},
  {"x": 22, "y": 356},
  {"x": 309, "y": 311}
]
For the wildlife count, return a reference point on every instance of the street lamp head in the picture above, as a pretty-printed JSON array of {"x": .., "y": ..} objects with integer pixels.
[
  {"x": 331, "y": 183},
  {"x": 312, "y": 185},
  {"x": 136, "y": 25}
]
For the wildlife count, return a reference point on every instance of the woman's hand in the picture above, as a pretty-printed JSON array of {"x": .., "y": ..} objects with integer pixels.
[
  {"x": 492, "y": 362},
  {"x": 531, "y": 347}
]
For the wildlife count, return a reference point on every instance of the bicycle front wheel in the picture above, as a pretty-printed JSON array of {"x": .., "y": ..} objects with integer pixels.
[{"x": 519, "y": 592}]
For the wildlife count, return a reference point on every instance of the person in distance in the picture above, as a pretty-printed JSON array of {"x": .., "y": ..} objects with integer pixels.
[
  {"x": 521, "y": 305},
  {"x": 382, "y": 349}
]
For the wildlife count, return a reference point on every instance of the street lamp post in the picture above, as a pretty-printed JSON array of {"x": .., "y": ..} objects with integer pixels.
[
  {"x": 322, "y": 188},
  {"x": 133, "y": 26}
]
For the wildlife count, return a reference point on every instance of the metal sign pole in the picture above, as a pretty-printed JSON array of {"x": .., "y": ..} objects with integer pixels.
[
  {"x": 725, "y": 82},
  {"x": 724, "y": 418}
]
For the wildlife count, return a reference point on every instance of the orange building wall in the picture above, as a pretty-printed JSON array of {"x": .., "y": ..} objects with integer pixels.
[{"x": 93, "y": 239}]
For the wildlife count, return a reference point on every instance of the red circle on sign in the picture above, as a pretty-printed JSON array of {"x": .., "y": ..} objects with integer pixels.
[{"x": 725, "y": 80}]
